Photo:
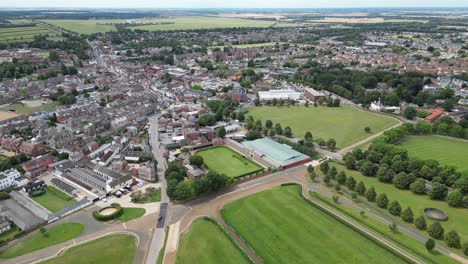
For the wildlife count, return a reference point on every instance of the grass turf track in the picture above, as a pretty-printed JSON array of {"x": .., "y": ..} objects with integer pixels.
[
  {"x": 221, "y": 160},
  {"x": 117, "y": 248},
  {"x": 345, "y": 124},
  {"x": 445, "y": 150},
  {"x": 456, "y": 216},
  {"x": 54, "y": 235},
  {"x": 283, "y": 228},
  {"x": 206, "y": 243},
  {"x": 54, "y": 199}
]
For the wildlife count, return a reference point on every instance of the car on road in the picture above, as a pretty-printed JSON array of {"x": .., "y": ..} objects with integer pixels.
[{"x": 160, "y": 218}]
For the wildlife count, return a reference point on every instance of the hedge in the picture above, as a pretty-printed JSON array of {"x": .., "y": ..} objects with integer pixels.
[{"x": 112, "y": 216}]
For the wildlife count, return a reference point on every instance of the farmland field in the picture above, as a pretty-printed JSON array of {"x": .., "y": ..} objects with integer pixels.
[
  {"x": 206, "y": 242},
  {"x": 445, "y": 150},
  {"x": 223, "y": 160},
  {"x": 456, "y": 216},
  {"x": 16, "y": 34},
  {"x": 345, "y": 124},
  {"x": 54, "y": 199},
  {"x": 283, "y": 228},
  {"x": 175, "y": 23},
  {"x": 117, "y": 248}
]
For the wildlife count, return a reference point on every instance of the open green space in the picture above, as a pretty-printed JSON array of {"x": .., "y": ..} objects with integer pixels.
[
  {"x": 118, "y": 248},
  {"x": 224, "y": 160},
  {"x": 402, "y": 240},
  {"x": 207, "y": 243},
  {"x": 54, "y": 199},
  {"x": 53, "y": 236},
  {"x": 283, "y": 228},
  {"x": 20, "y": 108},
  {"x": 156, "y": 24},
  {"x": 345, "y": 124},
  {"x": 130, "y": 213},
  {"x": 151, "y": 195},
  {"x": 15, "y": 34},
  {"x": 447, "y": 151},
  {"x": 456, "y": 216}
]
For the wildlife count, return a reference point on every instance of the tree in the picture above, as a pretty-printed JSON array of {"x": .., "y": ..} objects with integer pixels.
[
  {"x": 403, "y": 180},
  {"x": 43, "y": 231},
  {"x": 341, "y": 177},
  {"x": 455, "y": 198},
  {"x": 382, "y": 200},
  {"x": 63, "y": 156},
  {"x": 308, "y": 136},
  {"x": 393, "y": 227},
  {"x": 360, "y": 188},
  {"x": 438, "y": 192},
  {"x": 410, "y": 112},
  {"x": 331, "y": 144},
  {"x": 394, "y": 208},
  {"x": 184, "y": 190},
  {"x": 278, "y": 129},
  {"x": 418, "y": 186},
  {"x": 268, "y": 124},
  {"x": 430, "y": 244},
  {"x": 351, "y": 183},
  {"x": 420, "y": 223},
  {"x": 310, "y": 169},
  {"x": 332, "y": 172},
  {"x": 257, "y": 102},
  {"x": 54, "y": 56},
  {"x": 465, "y": 248},
  {"x": 221, "y": 132},
  {"x": 350, "y": 162},
  {"x": 462, "y": 184},
  {"x": 407, "y": 215},
  {"x": 436, "y": 231},
  {"x": 367, "y": 129},
  {"x": 288, "y": 132},
  {"x": 196, "y": 160},
  {"x": 324, "y": 167},
  {"x": 327, "y": 179},
  {"x": 453, "y": 239},
  {"x": 368, "y": 168},
  {"x": 371, "y": 194}
]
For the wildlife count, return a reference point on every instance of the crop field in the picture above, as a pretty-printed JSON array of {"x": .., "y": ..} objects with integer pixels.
[
  {"x": 16, "y": 34},
  {"x": 157, "y": 24},
  {"x": 206, "y": 243},
  {"x": 54, "y": 199},
  {"x": 456, "y": 216},
  {"x": 345, "y": 124},
  {"x": 118, "y": 248},
  {"x": 223, "y": 160},
  {"x": 283, "y": 228},
  {"x": 445, "y": 150}
]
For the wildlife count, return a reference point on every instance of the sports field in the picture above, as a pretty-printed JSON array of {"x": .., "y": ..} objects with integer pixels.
[
  {"x": 224, "y": 160},
  {"x": 445, "y": 150},
  {"x": 16, "y": 34},
  {"x": 157, "y": 24},
  {"x": 118, "y": 248},
  {"x": 283, "y": 228},
  {"x": 456, "y": 216},
  {"x": 54, "y": 199},
  {"x": 53, "y": 236},
  {"x": 20, "y": 108},
  {"x": 345, "y": 124},
  {"x": 207, "y": 243}
]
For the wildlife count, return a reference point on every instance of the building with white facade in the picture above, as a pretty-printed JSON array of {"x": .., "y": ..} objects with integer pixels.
[
  {"x": 11, "y": 178},
  {"x": 279, "y": 94}
]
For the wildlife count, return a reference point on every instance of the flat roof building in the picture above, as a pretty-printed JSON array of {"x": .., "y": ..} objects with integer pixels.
[{"x": 279, "y": 94}]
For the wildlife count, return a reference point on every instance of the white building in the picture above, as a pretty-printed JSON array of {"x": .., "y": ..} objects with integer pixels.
[
  {"x": 378, "y": 106},
  {"x": 279, "y": 94},
  {"x": 11, "y": 178}
]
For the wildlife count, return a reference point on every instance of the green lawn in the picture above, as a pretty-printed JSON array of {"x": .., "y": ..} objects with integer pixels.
[
  {"x": 445, "y": 150},
  {"x": 130, "y": 213},
  {"x": 283, "y": 228},
  {"x": 456, "y": 216},
  {"x": 207, "y": 243},
  {"x": 16, "y": 34},
  {"x": 407, "y": 243},
  {"x": 226, "y": 161},
  {"x": 150, "y": 197},
  {"x": 24, "y": 109},
  {"x": 118, "y": 248},
  {"x": 10, "y": 234},
  {"x": 345, "y": 124},
  {"x": 53, "y": 236},
  {"x": 54, "y": 200}
]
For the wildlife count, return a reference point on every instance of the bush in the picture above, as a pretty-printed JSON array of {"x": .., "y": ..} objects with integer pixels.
[
  {"x": 465, "y": 248},
  {"x": 430, "y": 244},
  {"x": 394, "y": 208},
  {"x": 455, "y": 198},
  {"x": 452, "y": 239},
  {"x": 361, "y": 188},
  {"x": 37, "y": 193},
  {"x": 4, "y": 196},
  {"x": 112, "y": 216},
  {"x": 420, "y": 223},
  {"x": 371, "y": 194},
  {"x": 407, "y": 215},
  {"x": 436, "y": 231},
  {"x": 382, "y": 200}
]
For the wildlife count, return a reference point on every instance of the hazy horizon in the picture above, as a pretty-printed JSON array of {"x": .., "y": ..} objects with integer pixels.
[{"x": 238, "y": 4}]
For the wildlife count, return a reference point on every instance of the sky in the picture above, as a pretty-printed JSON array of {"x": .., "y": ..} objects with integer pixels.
[{"x": 231, "y": 3}]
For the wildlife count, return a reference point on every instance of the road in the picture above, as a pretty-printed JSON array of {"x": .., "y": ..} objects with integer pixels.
[{"x": 159, "y": 234}]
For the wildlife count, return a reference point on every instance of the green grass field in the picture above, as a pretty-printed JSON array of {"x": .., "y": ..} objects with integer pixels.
[
  {"x": 226, "y": 161},
  {"x": 445, "y": 150},
  {"x": 130, "y": 213},
  {"x": 117, "y": 248},
  {"x": 404, "y": 241},
  {"x": 16, "y": 34},
  {"x": 456, "y": 216},
  {"x": 151, "y": 197},
  {"x": 174, "y": 23},
  {"x": 26, "y": 110},
  {"x": 345, "y": 124},
  {"x": 283, "y": 228},
  {"x": 54, "y": 199},
  {"x": 206, "y": 243},
  {"x": 53, "y": 236}
]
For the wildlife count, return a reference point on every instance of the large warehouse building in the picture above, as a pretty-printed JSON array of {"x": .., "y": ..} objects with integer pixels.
[{"x": 273, "y": 154}]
